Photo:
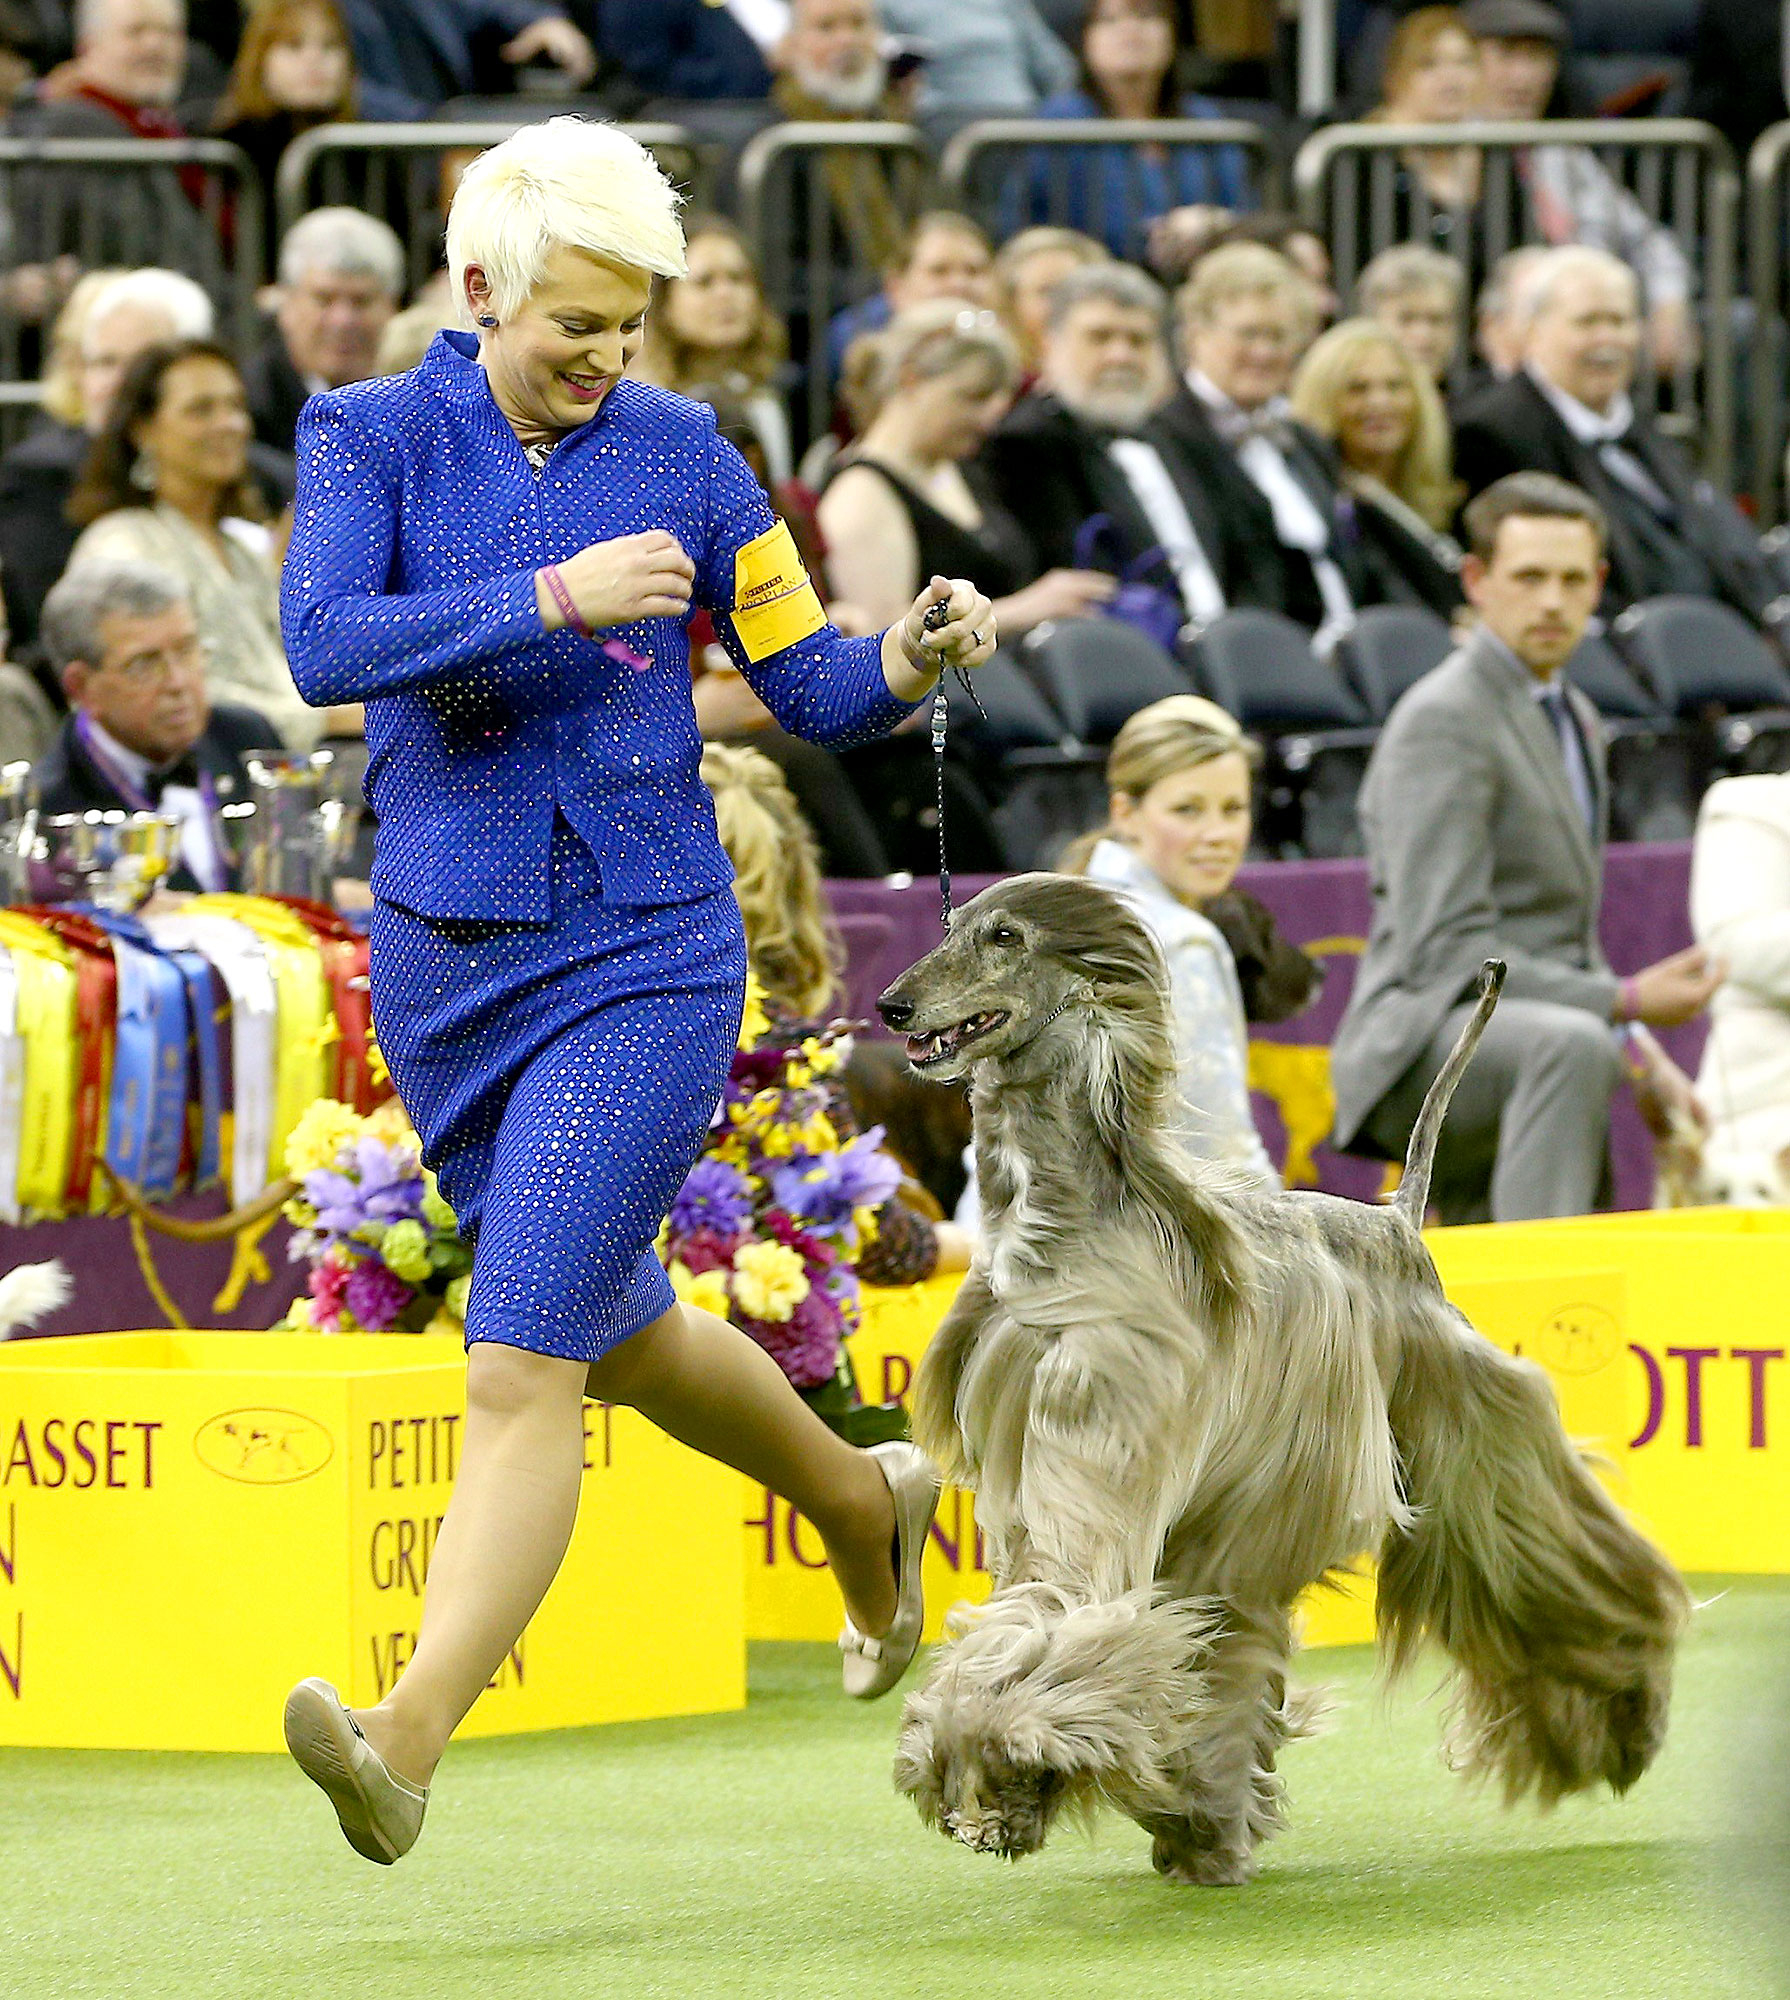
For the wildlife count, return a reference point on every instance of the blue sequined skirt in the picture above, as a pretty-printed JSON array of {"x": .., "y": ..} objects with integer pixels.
[{"x": 562, "y": 1077}]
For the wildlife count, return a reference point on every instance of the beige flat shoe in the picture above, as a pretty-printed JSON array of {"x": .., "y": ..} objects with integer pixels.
[
  {"x": 381, "y": 1813},
  {"x": 873, "y": 1666}
]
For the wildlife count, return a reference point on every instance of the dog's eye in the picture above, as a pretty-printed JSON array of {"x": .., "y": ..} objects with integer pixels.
[{"x": 1003, "y": 934}]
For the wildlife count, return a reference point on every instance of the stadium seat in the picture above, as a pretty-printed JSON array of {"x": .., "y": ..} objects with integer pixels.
[
  {"x": 1391, "y": 647},
  {"x": 1710, "y": 668},
  {"x": 1043, "y": 784},
  {"x": 1597, "y": 669},
  {"x": 1097, "y": 672}
]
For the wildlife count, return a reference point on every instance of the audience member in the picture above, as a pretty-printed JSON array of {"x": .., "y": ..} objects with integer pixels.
[
  {"x": 1569, "y": 196},
  {"x": 1415, "y": 293},
  {"x": 1245, "y": 317},
  {"x": 992, "y": 56},
  {"x": 428, "y": 50},
  {"x": 1363, "y": 391},
  {"x": 166, "y": 482},
  {"x": 943, "y": 255},
  {"x": 408, "y": 336},
  {"x": 1027, "y": 267},
  {"x": 1430, "y": 77},
  {"x": 143, "y": 734},
  {"x": 341, "y": 279},
  {"x": 122, "y": 313},
  {"x": 1086, "y": 462},
  {"x": 1484, "y": 811},
  {"x": 1115, "y": 193},
  {"x": 294, "y": 70},
  {"x": 1740, "y": 908},
  {"x": 1500, "y": 325},
  {"x": 28, "y": 717},
  {"x": 695, "y": 48},
  {"x": 1178, "y": 778},
  {"x": 712, "y": 328},
  {"x": 1181, "y": 238},
  {"x": 1569, "y": 413}
]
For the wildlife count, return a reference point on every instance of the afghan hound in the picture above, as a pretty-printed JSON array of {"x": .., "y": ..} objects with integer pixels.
[{"x": 1181, "y": 1399}]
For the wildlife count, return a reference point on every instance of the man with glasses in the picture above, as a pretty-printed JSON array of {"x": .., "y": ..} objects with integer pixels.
[{"x": 141, "y": 734}]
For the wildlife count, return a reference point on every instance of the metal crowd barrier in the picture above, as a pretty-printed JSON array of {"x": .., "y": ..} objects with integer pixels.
[
  {"x": 821, "y": 204},
  {"x": 1012, "y": 172},
  {"x": 1768, "y": 240},
  {"x": 1350, "y": 184},
  {"x": 405, "y": 174},
  {"x": 21, "y": 404},
  {"x": 192, "y": 205}
]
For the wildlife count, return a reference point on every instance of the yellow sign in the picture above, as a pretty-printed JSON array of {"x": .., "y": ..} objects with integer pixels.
[{"x": 190, "y": 1522}]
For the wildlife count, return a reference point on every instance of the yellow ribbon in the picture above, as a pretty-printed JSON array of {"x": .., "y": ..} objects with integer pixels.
[{"x": 46, "y": 1021}]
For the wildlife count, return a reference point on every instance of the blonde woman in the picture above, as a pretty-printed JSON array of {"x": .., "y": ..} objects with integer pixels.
[
  {"x": 1360, "y": 387},
  {"x": 1178, "y": 782},
  {"x": 794, "y": 949}
]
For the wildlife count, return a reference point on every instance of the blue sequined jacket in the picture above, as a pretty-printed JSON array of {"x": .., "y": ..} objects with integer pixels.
[{"x": 409, "y": 584}]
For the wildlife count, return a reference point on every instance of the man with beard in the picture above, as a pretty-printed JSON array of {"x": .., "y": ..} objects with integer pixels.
[{"x": 1084, "y": 461}]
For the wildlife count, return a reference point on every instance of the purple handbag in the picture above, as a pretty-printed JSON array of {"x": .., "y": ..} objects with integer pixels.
[{"x": 1152, "y": 607}]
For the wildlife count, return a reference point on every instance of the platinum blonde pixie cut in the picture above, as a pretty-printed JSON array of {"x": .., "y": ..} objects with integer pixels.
[{"x": 569, "y": 183}]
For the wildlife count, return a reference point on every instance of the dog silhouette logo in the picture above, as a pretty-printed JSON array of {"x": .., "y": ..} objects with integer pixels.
[
  {"x": 263, "y": 1447},
  {"x": 1578, "y": 1340}
]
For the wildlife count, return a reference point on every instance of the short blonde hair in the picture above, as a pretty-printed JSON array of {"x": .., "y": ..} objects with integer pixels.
[
  {"x": 61, "y": 378},
  {"x": 1424, "y": 477},
  {"x": 1245, "y": 271},
  {"x": 1176, "y": 734},
  {"x": 570, "y": 183},
  {"x": 928, "y": 340}
]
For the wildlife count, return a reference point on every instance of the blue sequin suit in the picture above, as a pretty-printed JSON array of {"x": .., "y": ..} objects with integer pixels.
[{"x": 558, "y": 963}]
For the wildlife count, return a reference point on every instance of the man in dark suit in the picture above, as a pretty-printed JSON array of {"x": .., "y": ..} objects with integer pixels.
[
  {"x": 141, "y": 734},
  {"x": 1567, "y": 412},
  {"x": 433, "y": 50},
  {"x": 1484, "y": 811},
  {"x": 685, "y": 48},
  {"x": 1244, "y": 317},
  {"x": 1085, "y": 463}
]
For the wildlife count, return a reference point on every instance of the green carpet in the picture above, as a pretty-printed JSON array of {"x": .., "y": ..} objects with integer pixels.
[{"x": 765, "y": 1855}]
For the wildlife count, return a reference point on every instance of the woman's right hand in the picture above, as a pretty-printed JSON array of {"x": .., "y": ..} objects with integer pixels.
[
  {"x": 618, "y": 582},
  {"x": 1058, "y": 593}
]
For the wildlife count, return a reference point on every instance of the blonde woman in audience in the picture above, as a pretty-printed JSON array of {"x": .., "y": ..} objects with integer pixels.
[
  {"x": 1027, "y": 269},
  {"x": 794, "y": 949},
  {"x": 1362, "y": 388},
  {"x": 408, "y": 335},
  {"x": 60, "y": 381}
]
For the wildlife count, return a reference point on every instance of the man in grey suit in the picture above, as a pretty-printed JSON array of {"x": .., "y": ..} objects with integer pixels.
[{"x": 1484, "y": 811}]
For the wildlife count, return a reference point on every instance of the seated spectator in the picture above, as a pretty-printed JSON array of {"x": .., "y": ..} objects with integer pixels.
[
  {"x": 1569, "y": 195},
  {"x": 341, "y": 279},
  {"x": 429, "y": 50},
  {"x": 143, "y": 734},
  {"x": 1179, "y": 775},
  {"x": 694, "y": 48},
  {"x": 28, "y": 717},
  {"x": 793, "y": 948},
  {"x": 1027, "y": 267},
  {"x": 1115, "y": 193},
  {"x": 1366, "y": 394},
  {"x": 1484, "y": 812},
  {"x": 1415, "y": 293},
  {"x": 944, "y": 255},
  {"x": 712, "y": 328},
  {"x": 1181, "y": 238},
  {"x": 1245, "y": 317},
  {"x": 294, "y": 70},
  {"x": 1087, "y": 463},
  {"x": 992, "y": 56},
  {"x": 166, "y": 482},
  {"x": 407, "y": 336},
  {"x": 1569, "y": 413},
  {"x": 1500, "y": 325},
  {"x": 121, "y": 314},
  {"x": 1430, "y": 77},
  {"x": 907, "y": 501}
]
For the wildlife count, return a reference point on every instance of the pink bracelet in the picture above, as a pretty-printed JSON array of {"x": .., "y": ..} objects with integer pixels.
[
  {"x": 556, "y": 589},
  {"x": 1628, "y": 1000}
]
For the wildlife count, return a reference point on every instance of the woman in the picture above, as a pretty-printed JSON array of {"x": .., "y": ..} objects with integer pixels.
[
  {"x": 294, "y": 70},
  {"x": 1178, "y": 778},
  {"x": 794, "y": 949},
  {"x": 498, "y": 552},
  {"x": 1430, "y": 77},
  {"x": 167, "y": 482},
  {"x": 1364, "y": 390},
  {"x": 1128, "y": 56},
  {"x": 1415, "y": 294},
  {"x": 713, "y": 329},
  {"x": 1027, "y": 269}
]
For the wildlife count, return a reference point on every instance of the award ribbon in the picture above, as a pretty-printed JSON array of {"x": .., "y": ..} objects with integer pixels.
[
  {"x": 146, "y": 1121},
  {"x": 44, "y": 969},
  {"x": 96, "y": 1009},
  {"x": 12, "y": 1089}
]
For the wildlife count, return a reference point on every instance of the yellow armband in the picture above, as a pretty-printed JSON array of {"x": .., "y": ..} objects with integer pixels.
[{"x": 774, "y": 604}]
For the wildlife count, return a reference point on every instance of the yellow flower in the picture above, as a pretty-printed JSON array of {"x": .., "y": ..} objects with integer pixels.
[
  {"x": 731, "y": 1149},
  {"x": 799, "y": 1076},
  {"x": 821, "y": 1057},
  {"x": 454, "y": 1299},
  {"x": 706, "y": 1290},
  {"x": 768, "y": 1280},
  {"x": 325, "y": 1131},
  {"x": 405, "y": 1249},
  {"x": 391, "y": 1123},
  {"x": 819, "y": 1136},
  {"x": 777, "y": 1143},
  {"x": 754, "y": 1021},
  {"x": 865, "y": 1223}
]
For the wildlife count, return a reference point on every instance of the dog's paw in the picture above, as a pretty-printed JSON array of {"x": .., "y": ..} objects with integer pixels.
[{"x": 1201, "y": 1867}]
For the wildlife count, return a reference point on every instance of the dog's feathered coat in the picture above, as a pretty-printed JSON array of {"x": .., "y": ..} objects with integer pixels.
[{"x": 1181, "y": 1400}]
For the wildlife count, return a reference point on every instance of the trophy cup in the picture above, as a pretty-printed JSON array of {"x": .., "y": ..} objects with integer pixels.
[
  {"x": 116, "y": 860},
  {"x": 302, "y": 827}
]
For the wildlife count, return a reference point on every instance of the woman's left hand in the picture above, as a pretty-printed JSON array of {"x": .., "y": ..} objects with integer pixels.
[{"x": 966, "y": 638}]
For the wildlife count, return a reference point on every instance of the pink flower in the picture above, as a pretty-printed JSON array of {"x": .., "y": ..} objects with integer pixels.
[
  {"x": 704, "y": 1250},
  {"x": 329, "y": 1287},
  {"x": 375, "y": 1295}
]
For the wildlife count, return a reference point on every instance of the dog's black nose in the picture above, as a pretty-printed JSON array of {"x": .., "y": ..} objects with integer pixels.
[{"x": 897, "y": 1011}]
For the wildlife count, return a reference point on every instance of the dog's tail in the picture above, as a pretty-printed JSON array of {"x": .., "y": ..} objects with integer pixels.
[
  {"x": 1560, "y": 1617},
  {"x": 1413, "y": 1193}
]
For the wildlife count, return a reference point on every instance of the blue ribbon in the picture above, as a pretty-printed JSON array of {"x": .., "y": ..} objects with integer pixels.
[{"x": 146, "y": 1121}]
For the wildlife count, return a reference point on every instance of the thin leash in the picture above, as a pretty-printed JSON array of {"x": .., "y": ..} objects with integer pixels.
[{"x": 936, "y": 616}]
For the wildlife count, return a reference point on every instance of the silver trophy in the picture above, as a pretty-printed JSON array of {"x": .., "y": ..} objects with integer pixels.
[
  {"x": 116, "y": 860},
  {"x": 303, "y": 824},
  {"x": 18, "y": 801}
]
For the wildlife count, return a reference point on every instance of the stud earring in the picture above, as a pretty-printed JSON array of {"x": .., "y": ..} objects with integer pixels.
[{"x": 485, "y": 319}]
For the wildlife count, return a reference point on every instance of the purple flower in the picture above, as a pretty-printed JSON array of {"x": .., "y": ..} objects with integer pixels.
[
  {"x": 703, "y": 1250},
  {"x": 714, "y": 1196},
  {"x": 824, "y": 1190},
  {"x": 386, "y": 1186},
  {"x": 375, "y": 1296}
]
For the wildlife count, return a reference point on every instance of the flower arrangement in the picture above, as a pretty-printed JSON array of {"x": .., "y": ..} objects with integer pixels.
[
  {"x": 767, "y": 1227},
  {"x": 385, "y": 1253}
]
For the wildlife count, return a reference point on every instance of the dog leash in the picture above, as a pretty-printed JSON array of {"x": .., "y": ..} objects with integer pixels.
[{"x": 935, "y": 617}]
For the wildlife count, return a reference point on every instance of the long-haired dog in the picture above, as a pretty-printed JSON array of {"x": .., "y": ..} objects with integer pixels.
[{"x": 1181, "y": 1399}]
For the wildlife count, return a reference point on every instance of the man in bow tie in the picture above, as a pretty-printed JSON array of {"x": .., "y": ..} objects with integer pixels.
[
  {"x": 1568, "y": 411},
  {"x": 141, "y": 734}
]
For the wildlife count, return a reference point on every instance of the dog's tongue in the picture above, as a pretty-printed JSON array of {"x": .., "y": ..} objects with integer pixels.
[{"x": 918, "y": 1046}]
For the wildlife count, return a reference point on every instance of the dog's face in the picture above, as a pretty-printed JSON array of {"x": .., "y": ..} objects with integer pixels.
[
  {"x": 1696, "y": 1174},
  {"x": 1017, "y": 956}
]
